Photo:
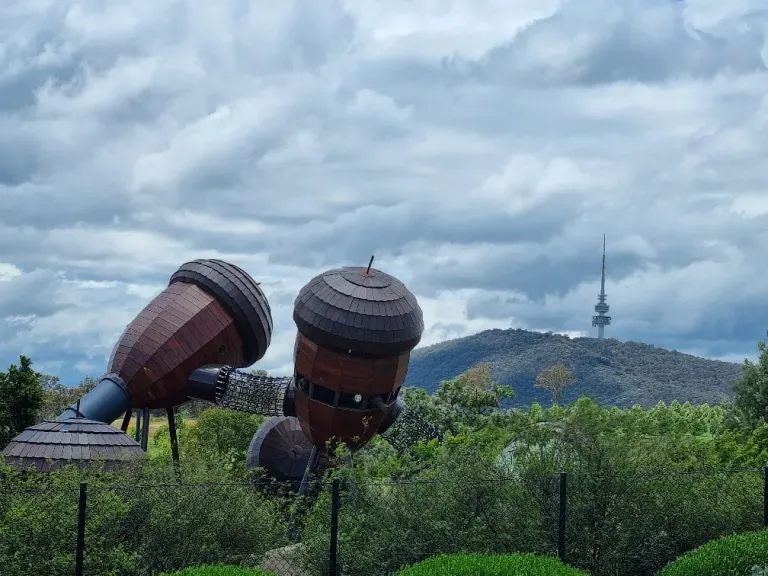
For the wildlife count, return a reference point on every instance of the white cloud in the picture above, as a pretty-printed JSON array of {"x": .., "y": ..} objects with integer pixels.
[{"x": 478, "y": 148}]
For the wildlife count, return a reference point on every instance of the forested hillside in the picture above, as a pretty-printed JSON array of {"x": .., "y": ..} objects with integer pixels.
[{"x": 609, "y": 371}]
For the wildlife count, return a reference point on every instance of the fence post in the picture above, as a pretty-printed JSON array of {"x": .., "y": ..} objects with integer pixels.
[
  {"x": 334, "y": 565},
  {"x": 79, "y": 554},
  {"x": 765, "y": 496},
  {"x": 561, "y": 519}
]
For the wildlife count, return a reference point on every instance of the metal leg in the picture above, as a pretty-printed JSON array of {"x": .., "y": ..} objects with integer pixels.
[
  {"x": 137, "y": 432},
  {"x": 172, "y": 431},
  {"x": 145, "y": 430},
  {"x": 310, "y": 468},
  {"x": 126, "y": 420}
]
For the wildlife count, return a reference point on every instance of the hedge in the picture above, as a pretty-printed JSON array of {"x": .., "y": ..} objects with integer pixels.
[
  {"x": 491, "y": 565},
  {"x": 727, "y": 556},
  {"x": 218, "y": 571}
]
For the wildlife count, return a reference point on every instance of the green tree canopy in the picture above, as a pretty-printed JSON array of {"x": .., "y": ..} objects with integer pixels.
[
  {"x": 469, "y": 399},
  {"x": 21, "y": 396},
  {"x": 750, "y": 400},
  {"x": 57, "y": 397},
  {"x": 555, "y": 379}
]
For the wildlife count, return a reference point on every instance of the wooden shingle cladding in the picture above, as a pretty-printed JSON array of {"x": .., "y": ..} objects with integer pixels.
[
  {"x": 52, "y": 444},
  {"x": 324, "y": 424},
  {"x": 357, "y": 327},
  {"x": 182, "y": 329},
  {"x": 212, "y": 312},
  {"x": 345, "y": 373},
  {"x": 240, "y": 295},
  {"x": 349, "y": 310}
]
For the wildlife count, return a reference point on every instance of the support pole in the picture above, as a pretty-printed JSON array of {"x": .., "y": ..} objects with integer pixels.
[
  {"x": 126, "y": 420},
  {"x": 561, "y": 519},
  {"x": 137, "y": 431},
  {"x": 174, "y": 440},
  {"x": 765, "y": 496},
  {"x": 80, "y": 550},
  {"x": 308, "y": 470},
  {"x": 333, "y": 555},
  {"x": 145, "y": 429}
]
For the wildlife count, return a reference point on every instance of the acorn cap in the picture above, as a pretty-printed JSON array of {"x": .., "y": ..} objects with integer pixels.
[
  {"x": 362, "y": 310},
  {"x": 240, "y": 295}
]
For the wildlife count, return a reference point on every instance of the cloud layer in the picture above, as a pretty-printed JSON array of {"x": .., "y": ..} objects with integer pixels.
[{"x": 479, "y": 148}]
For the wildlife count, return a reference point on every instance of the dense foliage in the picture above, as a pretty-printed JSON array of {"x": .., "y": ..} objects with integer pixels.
[
  {"x": 643, "y": 487},
  {"x": 57, "y": 397},
  {"x": 751, "y": 391},
  {"x": 495, "y": 565},
  {"x": 736, "y": 555},
  {"x": 21, "y": 397},
  {"x": 609, "y": 371},
  {"x": 139, "y": 522}
]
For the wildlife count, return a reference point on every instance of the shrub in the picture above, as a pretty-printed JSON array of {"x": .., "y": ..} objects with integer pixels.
[
  {"x": 218, "y": 571},
  {"x": 492, "y": 565},
  {"x": 732, "y": 555}
]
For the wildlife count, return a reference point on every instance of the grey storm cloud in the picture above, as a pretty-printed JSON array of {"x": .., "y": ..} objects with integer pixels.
[{"x": 479, "y": 149}]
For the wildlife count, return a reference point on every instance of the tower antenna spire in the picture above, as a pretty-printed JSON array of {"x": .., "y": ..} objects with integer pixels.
[{"x": 602, "y": 319}]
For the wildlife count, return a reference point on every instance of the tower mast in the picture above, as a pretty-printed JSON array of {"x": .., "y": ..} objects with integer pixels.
[{"x": 602, "y": 307}]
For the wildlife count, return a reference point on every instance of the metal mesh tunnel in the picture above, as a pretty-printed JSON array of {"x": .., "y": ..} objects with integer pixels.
[
  {"x": 264, "y": 395},
  {"x": 408, "y": 428}
]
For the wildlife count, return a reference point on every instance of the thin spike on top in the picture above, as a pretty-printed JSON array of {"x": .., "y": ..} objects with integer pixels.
[{"x": 370, "y": 263}]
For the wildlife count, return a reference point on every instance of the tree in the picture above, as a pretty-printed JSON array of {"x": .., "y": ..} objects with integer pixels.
[
  {"x": 750, "y": 392},
  {"x": 555, "y": 379},
  {"x": 21, "y": 396},
  {"x": 57, "y": 397},
  {"x": 471, "y": 397}
]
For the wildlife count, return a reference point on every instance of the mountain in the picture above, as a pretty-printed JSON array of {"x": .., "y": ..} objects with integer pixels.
[{"x": 609, "y": 371}]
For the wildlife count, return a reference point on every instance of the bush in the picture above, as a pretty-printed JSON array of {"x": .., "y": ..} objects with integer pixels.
[
  {"x": 494, "y": 565},
  {"x": 218, "y": 571},
  {"x": 728, "y": 556}
]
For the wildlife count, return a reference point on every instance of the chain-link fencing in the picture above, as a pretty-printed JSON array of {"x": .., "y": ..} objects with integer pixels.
[{"x": 621, "y": 524}]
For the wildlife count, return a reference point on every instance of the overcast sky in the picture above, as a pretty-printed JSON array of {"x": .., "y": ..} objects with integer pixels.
[{"x": 479, "y": 148}]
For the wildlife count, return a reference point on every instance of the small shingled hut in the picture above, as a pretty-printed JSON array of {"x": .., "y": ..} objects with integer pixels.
[{"x": 52, "y": 444}]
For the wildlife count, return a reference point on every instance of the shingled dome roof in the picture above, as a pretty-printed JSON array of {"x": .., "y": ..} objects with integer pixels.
[
  {"x": 240, "y": 295},
  {"x": 359, "y": 310},
  {"x": 56, "y": 443}
]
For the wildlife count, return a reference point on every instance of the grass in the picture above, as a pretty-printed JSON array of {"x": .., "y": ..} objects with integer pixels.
[
  {"x": 155, "y": 422},
  {"x": 491, "y": 565}
]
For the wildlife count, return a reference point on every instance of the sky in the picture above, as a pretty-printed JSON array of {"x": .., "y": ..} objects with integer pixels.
[{"x": 479, "y": 148}]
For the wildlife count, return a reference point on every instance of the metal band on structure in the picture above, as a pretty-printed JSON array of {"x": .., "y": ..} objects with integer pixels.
[
  {"x": 241, "y": 297},
  {"x": 117, "y": 380}
]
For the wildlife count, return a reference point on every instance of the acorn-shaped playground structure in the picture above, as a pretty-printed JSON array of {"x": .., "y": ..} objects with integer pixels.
[
  {"x": 356, "y": 329},
  {"x": 211, "y": 313}
]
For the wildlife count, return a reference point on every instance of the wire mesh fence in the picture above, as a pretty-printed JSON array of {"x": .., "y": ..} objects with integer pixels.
[
  {"x": 621, "y": 524},
  {"x": 38, "y": 527}
]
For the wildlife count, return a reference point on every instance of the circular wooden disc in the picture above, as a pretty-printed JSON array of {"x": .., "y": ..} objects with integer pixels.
[{"x": 281, "y": 448}]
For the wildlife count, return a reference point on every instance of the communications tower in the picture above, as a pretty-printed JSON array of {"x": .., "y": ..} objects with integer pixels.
[{"x": 602, "y": 319}]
